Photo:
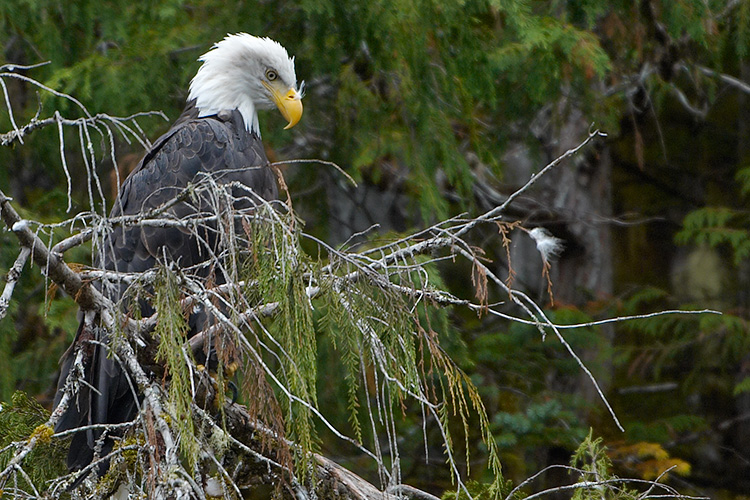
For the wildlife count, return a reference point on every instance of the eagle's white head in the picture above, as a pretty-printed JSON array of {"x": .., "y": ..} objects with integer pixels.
[{"x": 247, "y": 73}]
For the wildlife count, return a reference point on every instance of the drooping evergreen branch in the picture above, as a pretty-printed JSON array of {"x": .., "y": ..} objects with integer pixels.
[{"x": 263, "y": 274}]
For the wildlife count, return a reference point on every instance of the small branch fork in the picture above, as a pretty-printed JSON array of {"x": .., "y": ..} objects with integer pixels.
[
  {"x": 654, "y": 489},
  {"x": 52, "y": 266},
  {"x": 101, "y": 124},
  {"x": 244, "y": 320},
  {"x": 56, "y": 119}
]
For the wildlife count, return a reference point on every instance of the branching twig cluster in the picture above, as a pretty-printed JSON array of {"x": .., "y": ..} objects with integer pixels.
[
  {"x": 378, "y": 293},
  {"x": 104, "y": 125}
]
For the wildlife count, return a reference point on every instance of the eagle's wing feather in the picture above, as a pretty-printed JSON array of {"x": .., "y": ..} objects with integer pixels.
[
  {"x": 203, "y": 145},
  {"x": 217, "y": 145}
]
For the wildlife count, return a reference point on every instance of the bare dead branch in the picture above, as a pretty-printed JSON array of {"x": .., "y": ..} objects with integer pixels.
[
  {"x": 728, "y": 79},
  {"x": 72, "y": 241},
  {"x": 12, "y": 278},
  {"x": 51, "y": 265},
  {"x": 318, "y": 162},
  {"x": 336, "y": 482},
  {"x": 495, "y": 212}
]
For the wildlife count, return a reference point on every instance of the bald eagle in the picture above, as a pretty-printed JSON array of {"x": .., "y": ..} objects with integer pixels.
[{"x": 217, "y": 134}]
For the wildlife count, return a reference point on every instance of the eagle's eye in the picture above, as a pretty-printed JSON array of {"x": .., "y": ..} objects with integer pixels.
[{"x": 271, "y": 75}]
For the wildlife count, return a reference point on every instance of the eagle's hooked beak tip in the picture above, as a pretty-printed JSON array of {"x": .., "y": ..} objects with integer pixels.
[
  {"x": 291, "y": 108},
  {"x": 289, "y": 104}
]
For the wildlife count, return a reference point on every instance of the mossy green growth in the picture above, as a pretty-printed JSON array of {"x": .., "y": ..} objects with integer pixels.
[
  {"x": 20, "y": 420},
  {"x": 282, "y": 272},
  {"x": 171, "y": 330}
]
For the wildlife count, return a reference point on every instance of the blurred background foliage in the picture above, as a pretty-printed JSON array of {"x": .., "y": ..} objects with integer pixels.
[{"x": 423, "y": 102}]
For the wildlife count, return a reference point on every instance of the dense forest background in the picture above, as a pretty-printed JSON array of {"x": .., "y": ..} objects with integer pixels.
[{"x": 444, "y": 107}]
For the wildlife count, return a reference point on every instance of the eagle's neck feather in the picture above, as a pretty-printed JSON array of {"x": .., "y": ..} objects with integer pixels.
[{"x": 221, "y": 94}]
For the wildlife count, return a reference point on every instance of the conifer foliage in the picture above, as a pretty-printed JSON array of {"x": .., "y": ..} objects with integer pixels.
[{"x": 370, "y": 343}]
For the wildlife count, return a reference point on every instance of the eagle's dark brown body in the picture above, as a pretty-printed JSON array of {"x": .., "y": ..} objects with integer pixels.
[{"x": 218, "y": 145}]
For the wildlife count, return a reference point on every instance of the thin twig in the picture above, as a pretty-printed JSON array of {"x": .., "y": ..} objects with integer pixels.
[{"x": 319, "y": 162}]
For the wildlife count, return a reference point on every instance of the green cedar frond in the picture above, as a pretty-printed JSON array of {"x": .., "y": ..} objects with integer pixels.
[{"x": 715, "y": 226}]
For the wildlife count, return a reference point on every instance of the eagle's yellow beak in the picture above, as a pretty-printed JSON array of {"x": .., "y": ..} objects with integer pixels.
[{"x": 290, "y": 104}]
